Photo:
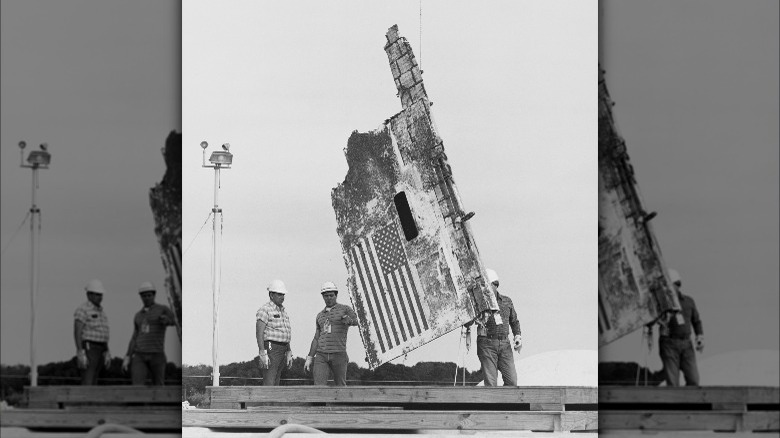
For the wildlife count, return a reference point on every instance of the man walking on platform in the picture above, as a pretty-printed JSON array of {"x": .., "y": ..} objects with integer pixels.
[{"x": 328, "y": 349}]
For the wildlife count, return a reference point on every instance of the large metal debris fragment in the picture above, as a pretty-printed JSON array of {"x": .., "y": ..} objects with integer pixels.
[
  {"x": 634, "y": 288},
  {"x": 165, "y": 200},
  {"x": 414, "y": 270}
]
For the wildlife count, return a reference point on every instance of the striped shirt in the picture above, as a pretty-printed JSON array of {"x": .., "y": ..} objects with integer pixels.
[
  {"x": 149, "y": 330},
  {"x": 277, "y": 322},
  {"x": 335, "y": 339},
  {"x": 95, "y": 322}
]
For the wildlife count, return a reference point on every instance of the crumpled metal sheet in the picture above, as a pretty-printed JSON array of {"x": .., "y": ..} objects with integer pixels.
[
  {"x": 634, "y": 287},
  {"x": 407, "y": 289}
]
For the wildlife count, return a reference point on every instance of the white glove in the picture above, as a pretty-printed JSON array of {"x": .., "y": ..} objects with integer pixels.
[
  {"x": 107, "y": 359},
  {"x": 700, "y": 343},
  {"x": 81, "y": 359},
  {"x": 125, "y": 363},
  {"x": 263, "y": 359},
  {"x": 307, "y": 365},
  {"x": 518, "y": 344},
  {"x": 289, "y": 358}
]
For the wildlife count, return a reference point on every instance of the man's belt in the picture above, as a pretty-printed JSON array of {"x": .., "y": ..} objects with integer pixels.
[
  {"x": 493, "y": 336},
  {"x": 678, "y": 337},
  {"x": 277, "y": 342}
]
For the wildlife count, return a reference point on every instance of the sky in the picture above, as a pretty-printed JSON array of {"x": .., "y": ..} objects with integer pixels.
[
  {"x": 99, "y": 82},
  {"x": 696, "y": 90},
  {"x": 286, "y": 83}
]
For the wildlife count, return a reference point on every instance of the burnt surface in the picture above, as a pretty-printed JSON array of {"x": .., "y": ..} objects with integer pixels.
[
  {"x": 408, "y": 286},
  {"x": 165, "y": 200},
  {"x": 634, "y": 288}
]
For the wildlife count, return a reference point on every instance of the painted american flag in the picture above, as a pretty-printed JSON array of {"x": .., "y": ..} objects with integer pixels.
[{"x": 385, "y": 279}]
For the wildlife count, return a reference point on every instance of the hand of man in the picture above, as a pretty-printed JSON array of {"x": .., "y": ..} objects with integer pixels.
[
  {"x": 263, "y": 359},
  {"x": 107, "y": 359},
  {"x": 126, "y": 363},
  {"x": 700, "y": 343},
  {"x": 518, "y": 344},
  {"x": 307, "y": 365},
  {"x": 346, "y": 319},
  {"x": 165, "y": 320},
  {"x": 81, "y": 359},
  {"x": 289, "y": 358}
]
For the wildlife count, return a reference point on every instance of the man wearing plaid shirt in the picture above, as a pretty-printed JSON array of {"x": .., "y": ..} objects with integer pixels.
[
  {"x": 273, "y": 334},
  {"x": 90, "y": 331}
]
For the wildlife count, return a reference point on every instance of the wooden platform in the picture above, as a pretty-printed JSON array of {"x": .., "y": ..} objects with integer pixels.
[
  {"x": 716, "y": 408},
  {"x": 84, "y": 407},
  {"x": 397, "y": 408}
]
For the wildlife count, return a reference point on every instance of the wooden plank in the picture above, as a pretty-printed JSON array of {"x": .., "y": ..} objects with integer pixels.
[
  {"x": 689, "y": 420},
  {"x": 669, "y": 434},
  {"x": 204, "y": 432},
  {"x": 684, "y": 394},
  {"x": 450, "y": 420},
  {"x": 60, "y": 418},
  {"x": 103, "y": 394},
  {"x": 22, "y": 432},
  {"x": 403, "y": 394}
]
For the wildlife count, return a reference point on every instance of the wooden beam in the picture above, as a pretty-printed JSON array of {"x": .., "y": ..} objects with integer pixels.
[
  {"x": 65, "y": 419},
  {"x": 404, "y": 394},
  {"x": 689, "y": 420},
  {"x": 685, "y": 394},
  {"x": 103, "y": 394},
  {"x": 451, "y": 420},
  {"x": 22, "y": 432}
]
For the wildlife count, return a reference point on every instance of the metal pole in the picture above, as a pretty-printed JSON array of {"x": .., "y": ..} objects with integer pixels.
[
  {"x": 215, "y": 273},
  {"x": 33, "y": 280}
]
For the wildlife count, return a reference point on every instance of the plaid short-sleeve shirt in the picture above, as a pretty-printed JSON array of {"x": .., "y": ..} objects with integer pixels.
[
  {"x": 277, "y": 323},
  {"x": 95, "y": 322}
]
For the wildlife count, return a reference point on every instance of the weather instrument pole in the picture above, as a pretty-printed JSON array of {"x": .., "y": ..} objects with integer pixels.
[
  {"x": 219, "y": 160},
  {"x": 36, "y": 160}
]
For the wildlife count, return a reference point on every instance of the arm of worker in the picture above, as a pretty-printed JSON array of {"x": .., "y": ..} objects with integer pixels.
[
  {"x": 130, "y": 349},
  {"x": 312, "y": 348},
  {"x": 259, "y": 334},
  {"x": 167, "y": 317},
  {"x": 350, "y": 317},
  {"x": 81, "y": 355},
  {"x": 697, "y": 328},
  {"x": 514, "y": 323}
]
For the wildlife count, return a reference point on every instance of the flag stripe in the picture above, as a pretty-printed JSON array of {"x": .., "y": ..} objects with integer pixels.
[
  {"x": 405, "y": 281},
  {"x": 417, "y": 297},
  {"x": 367, "y": 297},
  {"x": 397, "y": 290},
  {"x": 402, "y": 287},
  {"x": 388, "y": 311},
  {"x": 364, "y": 250}
]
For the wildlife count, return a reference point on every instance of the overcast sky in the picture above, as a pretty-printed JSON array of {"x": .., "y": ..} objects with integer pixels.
[
  {"x": 514, "y": 91},
  {"x": 696, "y": 91},
  {"x": 99, "y": 82}
]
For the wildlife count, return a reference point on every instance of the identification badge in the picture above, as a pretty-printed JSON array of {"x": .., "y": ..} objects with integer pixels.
[
  {"x": 145, "y": 327},
  {"x": 327, "y": 326},
  {"x": 497, "y": 317}
]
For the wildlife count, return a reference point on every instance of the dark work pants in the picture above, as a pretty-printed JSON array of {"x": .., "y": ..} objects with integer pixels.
[
  {"x": 496, "y": 355},
  {"x": 324, "y": 363},
  {"x": 144, "y": 363},
  {"x": 94, "y": 352},
  {"x": 277, "y": 354},
  {"x": 678, "y": 355}
]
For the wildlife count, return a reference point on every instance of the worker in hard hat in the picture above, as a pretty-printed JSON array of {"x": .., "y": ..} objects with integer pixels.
[
  {"x": 273, "y": 332},
  {"x": 146, "y": 350},
  {"x": 328, "y": 351},
  {"x": 674, "y": 341},
  {"x": 494, "y": 348},
  {"x": 90, "y": 331}
]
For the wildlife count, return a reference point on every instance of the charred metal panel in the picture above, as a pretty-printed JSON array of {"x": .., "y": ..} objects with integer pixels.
[
  {"x": 414, "y": 269},
  {"x": 634, "y": 288}
]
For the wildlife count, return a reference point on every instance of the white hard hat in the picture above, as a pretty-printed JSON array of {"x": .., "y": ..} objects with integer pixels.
[
  {"x": 329, "y": 286},
  {"x": 95, "y": 286},
  {"x": 146, "y": 286},
  {"x": 674, "y": 276},
  {"x": 492, "y": 275},
  {"x": 277, "y": 286}
]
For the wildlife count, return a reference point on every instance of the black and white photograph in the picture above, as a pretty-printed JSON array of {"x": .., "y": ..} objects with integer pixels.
[
  {"x": 384, "y": 195},
  {"x": 91, "y": 216},
  {"x": 689, "y": 317}
]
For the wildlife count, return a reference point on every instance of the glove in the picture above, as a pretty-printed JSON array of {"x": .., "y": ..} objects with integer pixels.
[
  {"x": 125, "y": 363},
  {"x": 699, "y": 343},
  {"x": 289, "y": 358},
  {"x": 468, "y": 338},
  {"x": 518, "y": 343},
  {"x": 81, "y": 359},
  {"x": 307, "y": 365},
  {"x": 107, "y": 359},
  {"x": 263, "y": 359}
]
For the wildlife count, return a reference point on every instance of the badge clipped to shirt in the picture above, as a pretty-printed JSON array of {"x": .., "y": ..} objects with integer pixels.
[
  {"x": 145, "y": 327},
  {"x": 327, "y": 326},
  {"x": 497, "y": 318}
]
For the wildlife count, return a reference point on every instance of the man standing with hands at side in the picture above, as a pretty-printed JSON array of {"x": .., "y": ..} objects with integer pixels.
[
  {"x": 674, "y": 340},
  {"x": 273, "y": 333},
  {"x": 328, "y": 349},
  {"x": 90, "y": 331}
]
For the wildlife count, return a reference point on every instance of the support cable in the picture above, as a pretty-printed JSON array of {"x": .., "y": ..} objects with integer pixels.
[
  {"x": 16, "y": 232},
  {"x": 196, "y": 235}
]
